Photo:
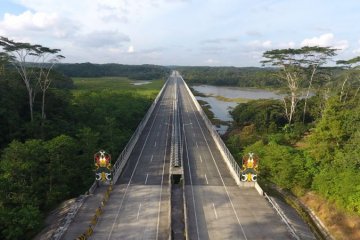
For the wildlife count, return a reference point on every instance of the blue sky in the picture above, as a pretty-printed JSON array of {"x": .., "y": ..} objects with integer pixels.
[{"x": 181, "y": 32}]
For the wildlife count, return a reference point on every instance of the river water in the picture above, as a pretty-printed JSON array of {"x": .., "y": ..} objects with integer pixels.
[{"x": 221, "y": 108}]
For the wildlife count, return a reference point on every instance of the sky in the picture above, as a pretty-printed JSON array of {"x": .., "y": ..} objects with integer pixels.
[{"x": 181, "y": 32}]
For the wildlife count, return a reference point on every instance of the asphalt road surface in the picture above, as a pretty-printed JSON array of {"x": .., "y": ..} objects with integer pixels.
[
  {"x": 138, "y": 207},
  {"x": 216, "y": 207}
]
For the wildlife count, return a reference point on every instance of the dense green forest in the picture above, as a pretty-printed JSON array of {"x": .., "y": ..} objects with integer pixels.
[
  {"x": 247, "y": 76},
  {"x": 326, "y": 160},
  {"x": 140, "y": 72},
  {"x": 47, "y": 156},
  {"x": 231, "y": 76},
  {"x": 317, "y": 149}
]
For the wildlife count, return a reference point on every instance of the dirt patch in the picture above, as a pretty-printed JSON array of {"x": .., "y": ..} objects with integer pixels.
[{"x": 341, "y": 225}]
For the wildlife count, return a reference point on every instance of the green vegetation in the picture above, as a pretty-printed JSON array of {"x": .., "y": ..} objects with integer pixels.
[
  {"x": 318, "y": 151},
  {"x": 114, "y": 83},
  {"x": 139, "y": 72},
  {"x": 226, "y": 99},
  {"x": 232, "y": 76},
  {"x": 48, "y": 158}
]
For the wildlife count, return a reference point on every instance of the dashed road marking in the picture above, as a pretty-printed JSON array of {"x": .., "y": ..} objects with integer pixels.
[
  {"x": 147, "y": 175},
  {"x": 138, "y": 213},
  {"x": 216, "y": 216}
]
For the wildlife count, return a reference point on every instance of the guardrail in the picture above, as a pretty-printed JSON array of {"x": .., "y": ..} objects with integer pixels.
[
  {"x": 175, "y": 137},
  {"x": 229, "y": 159},
  {"x": 283, "y": 217}
]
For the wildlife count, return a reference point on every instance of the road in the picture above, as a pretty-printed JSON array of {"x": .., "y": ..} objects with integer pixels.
[
  {"x": 217, "y": 208},
  {"x": 138, "y": 207}
]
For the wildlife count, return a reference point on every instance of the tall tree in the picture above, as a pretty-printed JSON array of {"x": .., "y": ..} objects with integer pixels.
[
  {"x": 21, "y": 53},
  {"x": 296, "y": 65},
  {"x": 312, "y": 58},
  {"x": 25, "y": 57},
  {"x": 48, "y": 58},
  {"x": 291, "y": 71},
  {"x": 352, "y": 67}
]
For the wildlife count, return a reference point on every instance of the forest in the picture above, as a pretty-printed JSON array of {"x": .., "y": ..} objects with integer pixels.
[
  {"x": 260, "y": 77},
  {"x": 312, "y": 147},
  {"x": 139, "y": 72},
  {"x": 47, "y": 150}
]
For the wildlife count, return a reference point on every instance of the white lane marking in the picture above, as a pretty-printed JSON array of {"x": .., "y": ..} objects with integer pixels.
[
  {"x": 191, "y": 184},
  {"x": 138, "y": 214},
  {"x": 200, "y": 159},
  {"x": 194, "y": 134},
  {"x": 152, "y": 156},
  {"x": 162, "y": 180},
  {"x": 155, "y": 144},
  {"x": 212, "y": 156},
  {"x": 157, "y": 134},
  {"x": 216, "y": 216},
  {"x": 147, "y": 175},
  {"x": 133, "y": 172},
  {"x": 197, "y": 145},
  {"x": 206, "y": 179}
]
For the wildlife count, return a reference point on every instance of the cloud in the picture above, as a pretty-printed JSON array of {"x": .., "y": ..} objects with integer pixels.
[
  {"x": 100, "y": 39},
  {"x": 357, "y": 50},
  {"x": 131, "y": 49},
  {"x": 38, "y": 21},
  {"x": 220, "y": 40},
  {"x": 253, "y": 33},
  {"x": 31, "y": 23},
  {"x": 326, "y": 40},
  {"x": 257, "y": 44},
  {"x": 212, "y": 49},
  {"x": 212, "y": 61}
]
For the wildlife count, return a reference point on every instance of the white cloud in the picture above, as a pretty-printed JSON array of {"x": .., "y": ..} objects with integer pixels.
[
  {"x": 100, "y": 39},
  {"x": 131, "y": 49},
  {"x": 212, "y": 61},
  {"x": 28, "y": 20},
  {"x": 257, "y": 44},
  {"x": 326, "y": 40},
  {"x": 357, "y": 50},
  {"x": 29, "y": 25}
]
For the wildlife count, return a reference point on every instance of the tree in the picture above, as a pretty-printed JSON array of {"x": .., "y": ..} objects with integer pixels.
[
  {"x": 313, "y": 58},
  {"x": 291, "y": 71},
  {"x": 352, "y": 67},
  {"x": 24, "y": 57},
  {"x": 4, "y": 60},
  {"x": 294, "y": 64},
  {"x": 47, "y": 62}
]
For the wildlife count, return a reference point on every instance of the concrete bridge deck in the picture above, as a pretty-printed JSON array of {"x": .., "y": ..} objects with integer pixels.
[{"x": 215, "y": 206}]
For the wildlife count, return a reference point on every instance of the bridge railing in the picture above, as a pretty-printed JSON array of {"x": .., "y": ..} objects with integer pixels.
[{"x": 229, "y": 159}]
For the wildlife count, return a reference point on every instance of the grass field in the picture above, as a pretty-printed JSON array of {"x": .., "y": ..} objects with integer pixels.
[{"x": 117, "y": 84}]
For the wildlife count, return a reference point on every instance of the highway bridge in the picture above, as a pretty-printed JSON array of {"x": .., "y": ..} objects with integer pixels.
[{"x": 176, "y": 180}]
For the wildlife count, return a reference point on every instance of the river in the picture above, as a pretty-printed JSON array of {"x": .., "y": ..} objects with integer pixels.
[{"x": 222, "y": 99}]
